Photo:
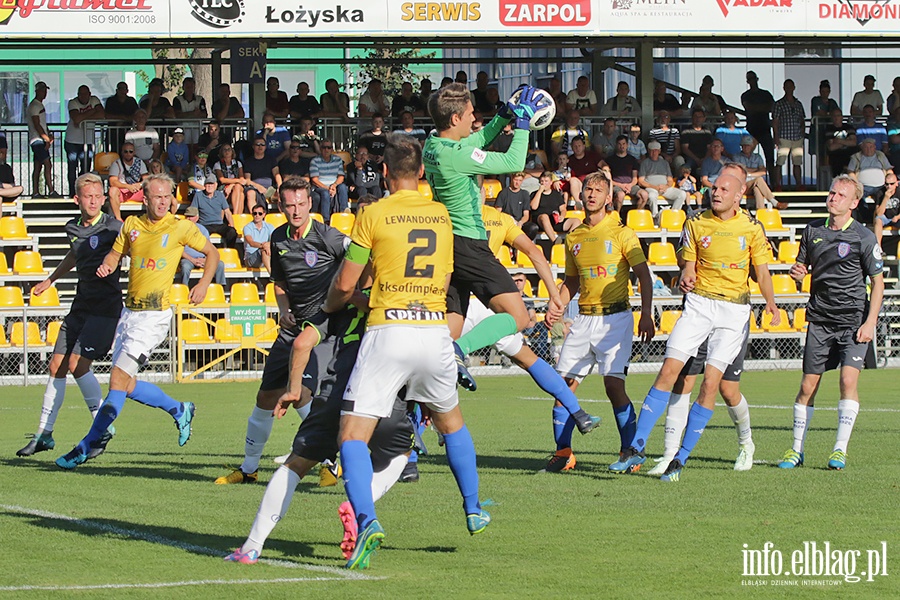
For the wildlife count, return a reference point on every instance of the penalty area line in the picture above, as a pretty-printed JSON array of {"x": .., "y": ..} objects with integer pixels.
[
  {"x": 164, "y": 541},
  {"x": 720, "y": 404}
]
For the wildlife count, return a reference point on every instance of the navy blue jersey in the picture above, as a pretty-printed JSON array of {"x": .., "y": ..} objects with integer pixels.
[{"x": 90, "y": 244}]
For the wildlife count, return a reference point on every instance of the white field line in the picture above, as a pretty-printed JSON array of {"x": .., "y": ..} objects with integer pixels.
[
  {"x": 757, "y": 406},
  {"x": 166, "y": 584},
  {"x": 158, "y": 539}
]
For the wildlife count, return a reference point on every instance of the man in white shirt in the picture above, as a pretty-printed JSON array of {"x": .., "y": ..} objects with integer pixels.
[
  {"x": 40, "y": 139},
  {"x": 145, "y": 139},
  {"x": 188, "y": 105},
  {"x": 867, "y": 95},
  {"x": 582, "y": 98},
  {"x": 79, "y": 149}
]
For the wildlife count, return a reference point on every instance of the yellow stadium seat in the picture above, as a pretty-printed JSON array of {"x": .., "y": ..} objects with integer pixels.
[
  {"x": 4, "y": 267},
  {"x": 524, "y": 261},
  {"x": 49, "y": 298},
  {"x": 194, "y": 331},
  {"x": 277, "y": 219},
  {"x": 103, "y": 161},
  {"x": 312, "y": 215},
  {"x": 345, "y": 156},
  {"x": 800, "y": 319},
  {"x": 3, "y": 342},
  {"x": 179, "y": 294},
  {"x": 492, "y": 188},
  {"x": 754, "y": 324},
  {"x": 241, "y": 221},
  {"x": 244, "y": 293},
  {"x": 53, "y": 332},
  {"x": 17, "y": 335},
  {"x": 770, "y": 218},
  {"x": 754, "y": 288},
  {"x": 558, "y": 255},
  {"x": 425, "y": 189},
  {"x": 529, "y": 291},
  {"x": 807, "y": 283},
  {"x": 13, "y": 228},
  {"x": 784, "y": 325},
  {"x": 270, "y": 293},
  {"x": 788, "y": 251},
  {"x": 215, "y": 294},
  {"x": 231, "y": 259},
  {"x": 783, "y": 283},
  {"x": 575, "y": 214},
  {"x": 224, "y": 332},
  {"x": 504, "y": 255},
  {"x": 662, "y": 253},
  {"x": 672, "y": 220},
  {"x": 27, "y": 262},
  {"x": 668, "y": 319},
  {"x": 343, "y": 222},
  {"x": 11, "y": 297},
  {"x": 640, "y": 220},
  {"x": 630, "y": 288},
  {"x": 266, "y": 332},
  {"x": 636, "y": 315},
  {"x": 543, "y": 292},
  {"x": 183, "y": 193}
]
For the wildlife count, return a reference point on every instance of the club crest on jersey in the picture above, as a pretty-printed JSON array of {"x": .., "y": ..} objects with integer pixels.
[
  {"x": 133, "y": 235},
  {"x": 312, "y": 258},
  {"x": 608, "y": 246},
  {"x": 743, "y": 242},
  {"x": 576, "y": 249},
  {"x": 705, "y": 241},
  {"x": 843, "y": 249},
  {"x": 93, "y": 241}
]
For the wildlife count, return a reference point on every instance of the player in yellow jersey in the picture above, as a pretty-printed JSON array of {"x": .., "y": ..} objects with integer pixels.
[
  {"x": 155, "y": 242},
  {"x": 600, "y": 255},
  {"x": 407, "y": 342},
  {"x": 718, "y": 247}
]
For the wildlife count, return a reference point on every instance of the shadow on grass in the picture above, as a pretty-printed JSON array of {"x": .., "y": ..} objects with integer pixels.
[{"x": 145, "y": 470}]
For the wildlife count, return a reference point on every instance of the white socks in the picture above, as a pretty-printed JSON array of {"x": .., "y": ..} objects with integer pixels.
[
  {"x": 54, "y": 395},
  {"x": 274, "y": 505},
  {"x": 259, "y": 427},
  {"x": 90, "y": 389},
  {"x": 676, "y": 421},
  {"x": 802, "y": 416},
  {"x": 847, "y": 411},
  {"x": 740, "y": 416}
]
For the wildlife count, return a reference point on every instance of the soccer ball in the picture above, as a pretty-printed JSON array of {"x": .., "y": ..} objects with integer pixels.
[{"x": 546, "y": 108}]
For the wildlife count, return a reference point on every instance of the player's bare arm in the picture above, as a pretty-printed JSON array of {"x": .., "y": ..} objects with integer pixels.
[
  {"x": 567, "y": 290},
  {"x": 109, "y": 263},
  {"x": 688, "y": 278},
  {"x": 198, "y": 292},
  {"x": 285, "y": 317},
  {"x": 764, "y": 278},
  {"x": 67, "y": 264},
  {"x": 646, "y": 326},
  {"x": 866, "y": 332}
]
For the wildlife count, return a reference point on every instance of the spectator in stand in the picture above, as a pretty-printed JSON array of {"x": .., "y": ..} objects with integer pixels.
[
  {"x": 503, "y": 140},
  {"x": 215, "y": 214},
  {"x": 407, "y": 101},
  {"x": 374, "y": 101},
  {"x": 757, "y": 104},
  {"x": 226, "y": 106},
  {"x": 326, "y": 173},
  {"x": 294, "y": 165},
  {"x": 201, "y": 172},
  {"x": 840, "y": 142},
  {"x": 408, "y": 127},
  {"x": 664, "y": 101},
  {"x": 688, "y": 184},
  {"x": 582, "y": 99},
  {"x": 582, "y": 163},
  {"x": 756, "y": 174},
  {"x": 425, "y": 91},
  {"x": 534, "y": 166},
  {"x": 712, "y": 164},
  {"x": 144, "y": 138},
  {"x": 789, "y": 131},
  {"x": 516, "y": 202},
  {"x": 708, "y": 80},
  {"x": 480, "y": 92},
  {"x": 493, "y": 102},
  {"x": 191, "y": 259},
  {"x": 8, "y": 189},
  {"x": 869, "y": 166},
  {"x": 83, "y": 107},
  {"x": 257, "y": 234},
  {"x": 636, "y": 146},
  {"x": 230, "y": 173},
  {"x": 374, "y": 139},
  {"x": 655, "y": 180},
  {"x": 561, "y": 140},
  {"x": 178, "y": 155},
  {"x": 188, "y": 105},
  {"x": 277, "y": 102},
  {"x": 564, "y": 183},
  {"x": 893, "y": 100},
  {"x": 212, "y": 140},
  {"x": 605, "y": 138},
  {"x": 867, "y": 96},
  {"x": 157, "y": 106},
  {"x": 277, "y": 137},
  {"x": 731, "y": 134},
  {"x": 887, "y": 203},
  {"x": 125, "y": 179},
  {"x": 363, "y": 176},
  {"x": 40, "y": 139},
  {"x": 547, "y": 208},
  {"x": 558, "y": 95},
  {"x": 707, "y": 101},
  {"x": 622, "y": 104},
  {"x": 262, "y": 172},
  {"x": 446, "y": 81},
  {"x": 893, "y": 132},
  {"x": 870, "y": 129},
  {"x": 820, "y": 108},
  {"x": 155, "y": 167},
  {"x": 695, "y": 140},
  {"x": 303, "y": 105},
  {"x": 623, "y": 169},
  {"x": 121, "y": 107},
  {"x": 308, "y": 141}
]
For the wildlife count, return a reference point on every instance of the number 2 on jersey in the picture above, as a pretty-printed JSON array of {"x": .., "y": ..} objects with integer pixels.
[{"x": 428, "y": 249}]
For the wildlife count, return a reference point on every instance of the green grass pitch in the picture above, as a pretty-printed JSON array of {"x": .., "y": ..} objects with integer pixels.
[{"x": 145, "y": 520}]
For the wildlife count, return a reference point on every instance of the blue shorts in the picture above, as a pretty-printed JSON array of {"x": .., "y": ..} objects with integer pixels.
[{"x": 40, "y": 150}]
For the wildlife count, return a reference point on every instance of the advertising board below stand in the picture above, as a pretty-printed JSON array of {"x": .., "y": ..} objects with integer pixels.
[{"x": 84, "y": 18}]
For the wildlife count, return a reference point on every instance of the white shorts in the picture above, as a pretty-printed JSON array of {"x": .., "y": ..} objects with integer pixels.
[
  {"x": 393, "y": 356},
  {"x": 478, "y": 312},
  {"x": 794, "y": 148},
  {"x": 722, "y": 322},
  {"x": 601, "y": 339},
  {"x": 137, "y": 335}
]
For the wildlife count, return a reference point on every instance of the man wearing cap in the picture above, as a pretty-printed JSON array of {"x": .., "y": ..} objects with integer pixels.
[
  {"x": 758, "y": 104},
  {"x": 867, "y": 95},
  {"x": 178, "y": 155},
  {"x": 327, "y": 176},
  {"x": 788, "y": 130},
  {"x": 40, "y": 139},
  {"x": 756, "y": 173},
  {"x": 214, "y": 212},
  {"x": 83, "y": 107},
  {"x": 188, "y": 105},
  {"x": 655, "y": 179},
  {"x": 157, "y": 106},
  {"x": 191, "y": 259}
]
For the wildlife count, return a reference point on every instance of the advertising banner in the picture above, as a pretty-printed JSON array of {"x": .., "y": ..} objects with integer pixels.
[
  {"x": 84, "y": 18},
  {"x": 508, "y": 17},
  {"x": 703, "y": 17}
]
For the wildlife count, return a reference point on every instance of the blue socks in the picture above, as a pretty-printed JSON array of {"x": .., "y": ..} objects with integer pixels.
[
  {"x": 552, "y": 382},
  {"x": 698, "y": 418},
  {"x": 461, "y": 456},
  {"x": 357, "y": 466},
  {"x": 563, "y": 426},
  {"x": 151, "y": 395},
  {"x": 654, "y": 406},
  {"x": 626, "y": 421},
  {"x": 108, "y": 412}
]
